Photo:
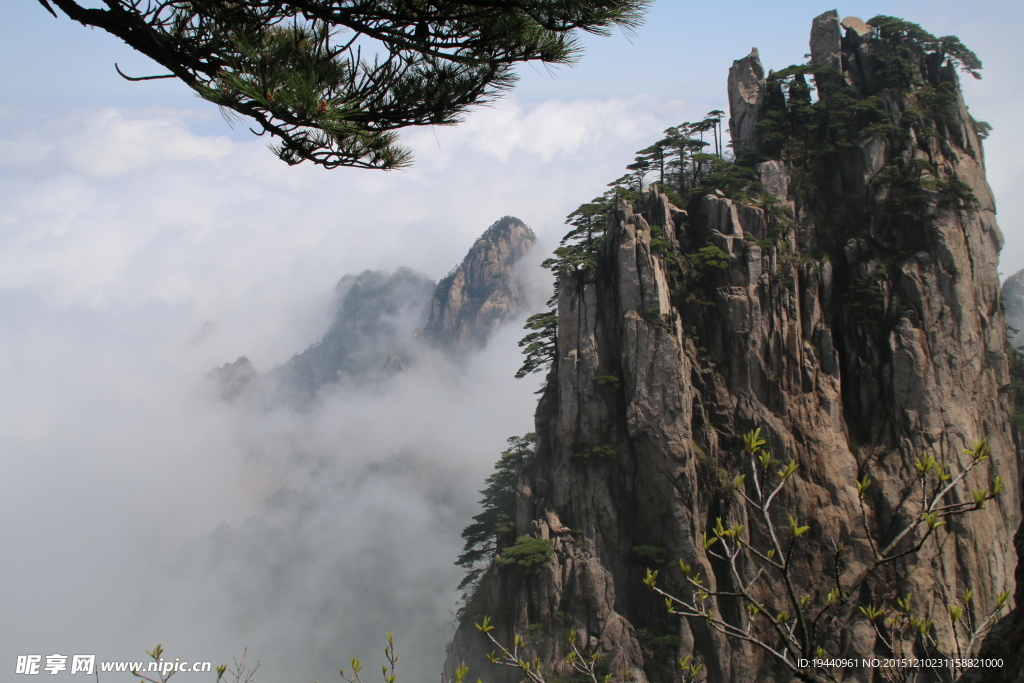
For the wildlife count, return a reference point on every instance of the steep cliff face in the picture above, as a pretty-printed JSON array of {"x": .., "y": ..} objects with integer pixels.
[
  {"x": 1006, "y": 640},
  {"x": 483, "y": 291},
  {"x": 854, "y": 316}
]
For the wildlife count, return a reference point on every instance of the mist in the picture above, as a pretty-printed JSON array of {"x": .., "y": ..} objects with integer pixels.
[
  {"x": 364, "y": 495},
  {"x": 140, "y": 247},
  {"x": 140, "y": 508},
  {"x": 152, "y": 511}
]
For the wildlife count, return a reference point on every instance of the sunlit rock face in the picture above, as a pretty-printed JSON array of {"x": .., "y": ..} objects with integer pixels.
[
  {"x": 483, "y": 291},
  {"x": 746, "y": 95},
  {"x": 858, "y": 331}
]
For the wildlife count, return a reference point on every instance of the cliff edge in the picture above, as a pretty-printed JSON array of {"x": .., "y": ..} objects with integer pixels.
[{"x": 836, "y": 288}]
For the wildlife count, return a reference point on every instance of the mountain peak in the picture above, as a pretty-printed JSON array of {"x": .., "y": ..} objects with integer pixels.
[{"x": 482, "y": 291}]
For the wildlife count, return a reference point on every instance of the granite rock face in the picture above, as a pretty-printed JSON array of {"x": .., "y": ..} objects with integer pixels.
[
  {"x": 746, "y": 93},
  {"x": 855, "y": 354},
  {"x": 483, "y": 291},
  {"x": 1006, "y": 641},
  {"x": 827, "y": 40}
]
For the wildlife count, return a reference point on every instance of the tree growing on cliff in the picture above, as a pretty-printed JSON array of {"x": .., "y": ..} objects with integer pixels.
[
  {"x": 332, "y": 80},
  {"x": 540, "y": 344},
  {"x": 494, "y": 528}
]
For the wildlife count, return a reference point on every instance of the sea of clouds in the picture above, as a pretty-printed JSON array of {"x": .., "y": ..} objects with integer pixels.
[{"x": 135, "y": 255}]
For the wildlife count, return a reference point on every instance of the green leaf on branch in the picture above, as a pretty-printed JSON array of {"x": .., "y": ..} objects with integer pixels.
[
  {"x": 862, "y": 485},
  {"x": 719, "y": 529},
  {"x": 795, "y": 527},
  {"x": 922, "y": 625},
  {"x": 932, "y": 519},
  {"x": 979, "y": 450},
  {"x": 924, "y": 464},
  {"x": 752, "y": 441},
  {"x": 790, "y": 469},
  {"x": 871, "y": 612}
]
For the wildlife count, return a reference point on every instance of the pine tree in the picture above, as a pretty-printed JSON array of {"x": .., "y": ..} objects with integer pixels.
[
  {"x": 331, "y": 81},
  {"x": 495, "y": 528}
]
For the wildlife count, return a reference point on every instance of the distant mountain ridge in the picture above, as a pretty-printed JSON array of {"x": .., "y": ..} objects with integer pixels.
[
  {"x": 1013, "y": 303},
  {"x": 374, "y": 323},
  {"x": 384, "y": 319}
]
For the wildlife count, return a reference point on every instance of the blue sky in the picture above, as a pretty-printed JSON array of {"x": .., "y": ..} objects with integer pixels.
[
  {"x": 144, "y": 241},
  {"x": 54, "y": 68}
]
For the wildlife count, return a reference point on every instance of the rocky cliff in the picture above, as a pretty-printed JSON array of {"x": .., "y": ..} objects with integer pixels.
[
  {"x": 1006, "y": 640},
  {"x": 483, "y": 290},
  {"x": 843, "y": 298}
]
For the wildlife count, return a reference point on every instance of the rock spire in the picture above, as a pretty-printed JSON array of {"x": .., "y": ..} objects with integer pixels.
[{"x": 855, "y": 319}]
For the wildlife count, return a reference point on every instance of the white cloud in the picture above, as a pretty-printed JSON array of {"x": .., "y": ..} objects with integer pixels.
[
  {"x": 111, "y": 144},
  {"x": 549, "y": 130},
  {"x": 135, "y": 254},
  {"x": 122, "y": 208}
]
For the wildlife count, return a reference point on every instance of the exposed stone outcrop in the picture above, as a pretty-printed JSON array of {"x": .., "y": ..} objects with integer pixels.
[
  {"x": 857, "y": 31},
  {"x": 857, "y": 334},
  {"x": 1005, "y": 642},
  {"x": 746, "y": 93},
  {"x": 827, "y": 40},
  {"x": 483, "y": 291}
]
